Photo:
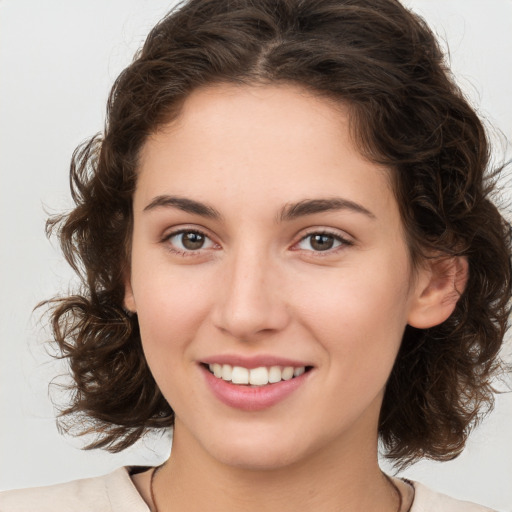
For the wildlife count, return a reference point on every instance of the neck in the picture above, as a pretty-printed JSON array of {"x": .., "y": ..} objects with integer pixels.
[{"x": 343, "y": 478}]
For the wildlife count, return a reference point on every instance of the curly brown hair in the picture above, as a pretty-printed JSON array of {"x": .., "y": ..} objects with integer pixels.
[{"x": 407, "y": 113}]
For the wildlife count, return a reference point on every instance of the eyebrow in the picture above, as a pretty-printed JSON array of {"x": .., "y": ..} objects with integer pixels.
[
  {"x": 184, "y": 204},
  {"x": 312, "y": 206},
  {"x": 288, "y": 212}
]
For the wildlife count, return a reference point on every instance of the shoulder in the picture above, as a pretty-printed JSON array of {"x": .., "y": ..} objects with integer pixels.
[
  {"x": 427, "y": 500},
  {"x": 110, "y": 493}
]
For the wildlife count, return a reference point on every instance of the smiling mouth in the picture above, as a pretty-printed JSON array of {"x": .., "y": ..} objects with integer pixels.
[{"x": 261, "y": 376}]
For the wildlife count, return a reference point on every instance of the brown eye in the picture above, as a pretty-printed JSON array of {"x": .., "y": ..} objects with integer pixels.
[
  {"x": 189, "y": 241},
  {"x": 322, "y": 242},
  {"x": 192, "y": 241}
]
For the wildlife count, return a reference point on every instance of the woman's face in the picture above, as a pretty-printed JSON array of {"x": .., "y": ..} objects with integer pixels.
[{"x": 263, "y": 240}]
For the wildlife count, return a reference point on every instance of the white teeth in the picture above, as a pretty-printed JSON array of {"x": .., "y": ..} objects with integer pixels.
[
  {"x": 260, "y": 376},
  {"x": 217, "y": 370},
  {"x": 274, "y": 374},
  {"x": 299, "y": 371},
  {"x": 240, "y": 375},
  {"x": 227, "y": 371},
  {"x": 287, "y": 373}
]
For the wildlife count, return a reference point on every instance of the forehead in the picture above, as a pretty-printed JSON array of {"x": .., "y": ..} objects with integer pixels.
[
  {"x": 277, "y": 142},
  {"x": 252, "y": 117}
]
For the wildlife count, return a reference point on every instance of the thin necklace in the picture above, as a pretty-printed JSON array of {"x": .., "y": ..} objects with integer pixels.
[
  {"x": 390, "y": 480},
  {"x": 151, "y": 488},
  {"x": 397, "y": 491}
]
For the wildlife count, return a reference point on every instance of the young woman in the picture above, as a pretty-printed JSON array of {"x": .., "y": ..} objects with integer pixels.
[{"x": 288, "y": 252}]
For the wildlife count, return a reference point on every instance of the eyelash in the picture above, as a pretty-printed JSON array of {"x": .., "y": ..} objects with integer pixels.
[
  {"x": 189, "y": 252},
  {"x": 343, "y": 242}
]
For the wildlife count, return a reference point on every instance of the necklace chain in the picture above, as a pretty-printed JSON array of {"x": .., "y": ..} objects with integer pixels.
[
  {"x": 152, "y": 493},
  {"x": 397, "y": 491},
  {"x": 155, "y": 507}
]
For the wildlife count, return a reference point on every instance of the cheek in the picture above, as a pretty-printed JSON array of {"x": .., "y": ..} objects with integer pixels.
[
  {"x": 171, "y": 306},
  {"x": 355, "y": 296},
  {"x": 170, "y": 312},
  {"x": 360, "y": 320}
]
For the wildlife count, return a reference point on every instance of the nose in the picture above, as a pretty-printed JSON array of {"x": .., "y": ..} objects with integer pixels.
[{"x": 251, "y": 302}]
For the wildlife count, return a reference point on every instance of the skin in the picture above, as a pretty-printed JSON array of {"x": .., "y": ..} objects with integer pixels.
[{"x": 259, "y": 286}]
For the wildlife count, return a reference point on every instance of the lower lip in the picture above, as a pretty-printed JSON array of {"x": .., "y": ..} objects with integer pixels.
[{"x": 252, "y": 398}]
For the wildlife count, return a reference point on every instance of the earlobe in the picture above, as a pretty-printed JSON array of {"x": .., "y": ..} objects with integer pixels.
[
  {"x": 438, "y": 288},
  {"x": 129, "y": 299}
]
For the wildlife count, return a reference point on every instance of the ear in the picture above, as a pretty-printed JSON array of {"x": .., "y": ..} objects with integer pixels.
[
  {"x": 439, "y": 285},
  {"x": 129, "y": 299}
]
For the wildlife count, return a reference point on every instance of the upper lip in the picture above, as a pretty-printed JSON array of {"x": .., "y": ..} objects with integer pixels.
[{"x": 253, "y": 361}]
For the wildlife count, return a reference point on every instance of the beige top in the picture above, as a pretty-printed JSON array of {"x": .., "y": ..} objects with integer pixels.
[{"x": 116, "y": 492}]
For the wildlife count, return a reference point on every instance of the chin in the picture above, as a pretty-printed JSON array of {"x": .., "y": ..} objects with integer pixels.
[
  {"x": 253, "y": 452},
  {"x": 257, "y": 459}
]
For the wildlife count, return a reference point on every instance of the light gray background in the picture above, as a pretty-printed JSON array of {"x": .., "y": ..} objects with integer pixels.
[{"x": 57, "y": 62}]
